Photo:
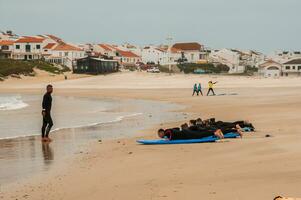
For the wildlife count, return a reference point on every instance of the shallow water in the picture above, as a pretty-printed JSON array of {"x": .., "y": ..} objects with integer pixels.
[{"x": 78, "y": 121}]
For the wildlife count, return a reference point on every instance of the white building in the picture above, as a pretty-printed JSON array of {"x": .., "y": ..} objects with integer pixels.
[
  {"x": 6, "y": 48},
  {"x": 292, "y": 67},
  {"x": 28, "y": 48},
  {"x": 154, "y": 54},
  {"x": 229, "y": 58},
  {"x": 124, "y": 57},
  {"x": 284, "y": 56},
  {"x": 192, "y": 52},
  {"x": 105, "y": 49},
  {"x": 8, "y": 35},
  {"x": 62, "y": 53},
  {"x": 270, "y": 68}
]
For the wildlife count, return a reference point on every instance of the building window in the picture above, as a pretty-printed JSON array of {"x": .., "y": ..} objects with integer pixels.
[
  {"x": 5, "y": 47},
  {"x": 287, "y": 67},
  {"x": 27, "y": 48},
  {"x": 17, "y": 46},
  {"x": 66, "y": 53},
  {"x": 294, "y": 67},
  {"x": 299, "y": 67},
  {"x": 38, "y": 46},
  {"x": 60, "y": 54}
]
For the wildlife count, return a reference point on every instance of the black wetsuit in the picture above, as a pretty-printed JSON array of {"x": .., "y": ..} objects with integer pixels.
[
  {"x": 186, "y": 134},
  {"x": 47, "y": 120},
  {"x": 222, "y": 124}
]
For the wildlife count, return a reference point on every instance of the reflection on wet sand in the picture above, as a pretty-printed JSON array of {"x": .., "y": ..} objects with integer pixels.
[{"x": 47, "y": 152}]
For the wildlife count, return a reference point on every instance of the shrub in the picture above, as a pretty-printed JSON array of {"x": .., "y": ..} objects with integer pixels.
[
  {"x": 10, "y": 66},
  {"x": 208, "y": 68}
]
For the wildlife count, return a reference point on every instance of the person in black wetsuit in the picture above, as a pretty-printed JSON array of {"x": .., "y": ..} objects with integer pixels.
[
  {"x": 236, "y": 124},
  {"x": 46, "y": 113},
  {"x": 185, "y": 134}
]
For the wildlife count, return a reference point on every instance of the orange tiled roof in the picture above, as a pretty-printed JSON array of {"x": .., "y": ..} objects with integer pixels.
[
  {"x": 188, "y": 46},
  {"x": 66, "y": 47},
  {"x": 127, "y": 54},
  {"x": 49, "y": 46},
  {"x": 30, "y": 40},
  {"x": 6, "y": 42},
  {"x": 57, "y": 39},
  {"x": 105, "y": 47}
]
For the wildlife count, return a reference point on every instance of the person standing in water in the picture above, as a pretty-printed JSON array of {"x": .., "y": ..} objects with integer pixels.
[
  {"x": 210, "y": 87},
  {"x": 200, "y": 89},
  {"x": 195, "y": 89},
  {"x": 46, "y": 113}
]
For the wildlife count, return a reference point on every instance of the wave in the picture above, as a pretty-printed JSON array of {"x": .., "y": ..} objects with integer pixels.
[
  {"x": 11, "y": 103},
  {"x": 117, "y": 119}
]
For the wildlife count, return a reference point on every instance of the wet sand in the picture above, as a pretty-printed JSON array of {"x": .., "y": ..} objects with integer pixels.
[{"x": 254, "y": 167}]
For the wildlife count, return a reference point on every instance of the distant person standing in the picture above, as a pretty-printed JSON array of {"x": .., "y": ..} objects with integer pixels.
[
  {"x": 195, "y": 89},
  {"x": 200, "y": 89},
  {"x": 210, "y": 87},
  {"x": 46, "y": 113}
]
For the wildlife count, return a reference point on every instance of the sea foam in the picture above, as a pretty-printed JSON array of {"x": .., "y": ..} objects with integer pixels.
[{"x": 11, "y": 103}]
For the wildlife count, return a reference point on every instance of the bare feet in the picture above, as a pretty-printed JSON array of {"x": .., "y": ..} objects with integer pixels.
[
  {"x": 219, "y": 134},
  {"x": 239, "y": 131}
]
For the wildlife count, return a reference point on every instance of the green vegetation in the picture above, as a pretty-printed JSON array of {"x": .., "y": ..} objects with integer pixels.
[
  {"x": 9, "y": 67},
  {"x": 207, "y": 68}
]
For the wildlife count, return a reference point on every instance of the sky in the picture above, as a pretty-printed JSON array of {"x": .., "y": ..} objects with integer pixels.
[{"x": 263, "y": 25}]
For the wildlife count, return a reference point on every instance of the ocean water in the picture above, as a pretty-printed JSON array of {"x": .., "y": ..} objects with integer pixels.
[
  {"x": 21, "y": 115},
  {"x": 77, "y": 122},
  {"x": 11, "y": 102}
]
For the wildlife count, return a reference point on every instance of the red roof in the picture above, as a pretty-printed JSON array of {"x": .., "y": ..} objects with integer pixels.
[
  {"x": 105, "y": 47},
  {"x": 57, "y": 39},
  {"x": 6, "y": 42},
  {"x": 49, "y": 46},
  {"x": 66, "y": 47},
  {"x": 194, "y": 46},
  {"x": 30, "y": 40},
  {"x": 127, "y": 53}
]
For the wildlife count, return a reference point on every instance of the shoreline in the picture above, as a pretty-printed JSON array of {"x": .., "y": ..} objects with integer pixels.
[{"x": 89, "y": 130}]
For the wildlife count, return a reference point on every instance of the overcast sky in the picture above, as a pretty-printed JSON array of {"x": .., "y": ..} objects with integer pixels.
[{"x": 264, "y": 25}]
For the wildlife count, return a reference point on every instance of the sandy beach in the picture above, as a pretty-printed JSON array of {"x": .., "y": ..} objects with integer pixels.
[{"x": 254, "y": 167}]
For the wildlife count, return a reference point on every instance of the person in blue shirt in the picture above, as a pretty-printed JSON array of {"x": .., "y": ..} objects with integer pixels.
[
  {"x": 200, "y": 89},
  {"x": 195, "y": 89}
]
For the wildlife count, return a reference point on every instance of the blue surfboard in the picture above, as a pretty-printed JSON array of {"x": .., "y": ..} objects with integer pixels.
[{"x": 190, "y": 141}]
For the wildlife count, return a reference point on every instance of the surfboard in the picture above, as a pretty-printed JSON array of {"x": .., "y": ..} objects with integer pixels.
[{"x": 190, "y": 141}]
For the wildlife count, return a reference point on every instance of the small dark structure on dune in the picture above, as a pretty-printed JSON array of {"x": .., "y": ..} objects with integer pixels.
[{"x": 94, "y": 65}]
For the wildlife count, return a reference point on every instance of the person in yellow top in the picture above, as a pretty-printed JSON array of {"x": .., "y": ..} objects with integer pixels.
[{"x": 210, "y": 87}]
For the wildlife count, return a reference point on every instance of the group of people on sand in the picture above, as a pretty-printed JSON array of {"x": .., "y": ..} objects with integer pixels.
[
  {"x": 197, "y": 88},
  {"x": 199, "y": 128}
]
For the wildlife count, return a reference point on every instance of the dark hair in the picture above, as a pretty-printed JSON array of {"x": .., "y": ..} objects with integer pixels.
[
  {"x": 198, "y": 119},
  {"x": 160, "y": 130},
  {"x": 192, "y": 121},
  {"x": 48, "y": 86},
  {"x": 184, "y": 126}
]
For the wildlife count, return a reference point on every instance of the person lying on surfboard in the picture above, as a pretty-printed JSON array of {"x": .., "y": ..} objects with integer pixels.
[
  {"x": 241, "y": 124},
  {"x": 185, "y": 134},
  {"x": 220, "y": 124}
]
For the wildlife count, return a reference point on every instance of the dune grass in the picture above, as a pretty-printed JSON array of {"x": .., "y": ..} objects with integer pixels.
[{"x": 10, "y": 66}]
